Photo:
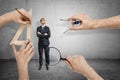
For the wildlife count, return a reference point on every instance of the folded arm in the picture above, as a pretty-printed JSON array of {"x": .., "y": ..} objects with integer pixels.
[{"x": 46, "y": 35}]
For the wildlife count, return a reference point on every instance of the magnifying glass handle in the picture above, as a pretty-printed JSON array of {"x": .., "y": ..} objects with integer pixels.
[{"x": 64, "y": 59}]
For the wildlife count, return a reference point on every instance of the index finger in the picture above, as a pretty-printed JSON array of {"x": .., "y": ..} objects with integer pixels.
[
  {"x": 25, "y": 44},
  {"x": 25, "y": 14},
  {"x": 69, "y": 58},
  {"x": 73, "y": 18},
  {"x": 69, "y": 61}
]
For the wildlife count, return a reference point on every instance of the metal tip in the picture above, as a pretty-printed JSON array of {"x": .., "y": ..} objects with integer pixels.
[
  {"x": 66, "y": 31},
  {"x": 64, "y": 20}
]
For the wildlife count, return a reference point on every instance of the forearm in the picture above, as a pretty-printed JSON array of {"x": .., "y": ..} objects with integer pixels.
[
  {"x": 47, "y": 36},
  {"x": 4, "y": 19},
  {"x": 40, "y": 35},
  {"x": 112, "y": 22},
  {"x": 23, "y": 72},
  {"x": 91, "y": 74}
]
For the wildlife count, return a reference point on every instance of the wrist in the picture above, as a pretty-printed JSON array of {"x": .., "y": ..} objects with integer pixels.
[
  {"x": 6, "y": 17},
  {"x": 23, "y": 71},
  {"x": 92, "y": 75},
  {"x": 94, "y": 24},
  {"x": 19, "y": 63}
]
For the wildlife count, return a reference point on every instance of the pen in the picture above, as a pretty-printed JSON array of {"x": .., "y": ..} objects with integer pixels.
[{"x": 75, "y": 22}]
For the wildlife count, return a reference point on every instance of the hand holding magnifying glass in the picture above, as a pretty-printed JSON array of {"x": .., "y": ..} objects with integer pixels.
[
  {"x": 80, "y": 65},
  {"x": 77, "y": 63},
  {"x": 55, "y": 56}
]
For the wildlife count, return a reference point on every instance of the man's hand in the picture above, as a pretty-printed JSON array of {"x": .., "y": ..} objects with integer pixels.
[
  {"x": 78, "y": 64},
  {"x": 45, "y": 34},
  {"x": 86, "y": 24},
  {"x": 24, "y": 55},
  {"x": 39, "y": 32},
  {"x": 18, "y": 18}
]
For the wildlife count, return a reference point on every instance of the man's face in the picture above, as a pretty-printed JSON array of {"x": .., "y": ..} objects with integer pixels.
[{"x": 43, "y": 21}]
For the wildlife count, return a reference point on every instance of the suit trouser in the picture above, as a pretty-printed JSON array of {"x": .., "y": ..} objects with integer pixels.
[{"x": 44, "y": 48}]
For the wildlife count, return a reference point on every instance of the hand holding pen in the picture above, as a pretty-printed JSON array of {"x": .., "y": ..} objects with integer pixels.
[
  {"x": 86, "y": 22},
  {"x": 23, "y": 16},
  {"x": 20, "y": 16},
  {"x": 74, "y": 22}
]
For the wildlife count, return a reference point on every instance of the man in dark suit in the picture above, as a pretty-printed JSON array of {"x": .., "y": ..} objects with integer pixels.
[{"x": 43, "y": 34}]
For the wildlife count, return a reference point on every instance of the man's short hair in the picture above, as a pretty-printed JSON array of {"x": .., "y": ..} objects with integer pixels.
[{"x": 41, "y": 19}]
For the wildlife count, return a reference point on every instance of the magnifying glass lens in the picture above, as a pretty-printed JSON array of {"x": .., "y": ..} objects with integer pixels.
[{"x": 54, "y": 56}]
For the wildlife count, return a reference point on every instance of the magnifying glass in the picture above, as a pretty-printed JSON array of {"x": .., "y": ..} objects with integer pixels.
[
  {"x": 55, "y": 56},
  {"x": 74, "y": 22}
]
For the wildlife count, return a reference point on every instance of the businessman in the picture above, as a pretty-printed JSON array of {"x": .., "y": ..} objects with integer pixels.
[{"x": 43, "y": 34}]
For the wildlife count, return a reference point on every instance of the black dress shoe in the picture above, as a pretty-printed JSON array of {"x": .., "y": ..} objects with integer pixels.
[
  {"x": 40, "y": 67},
  {"x": 47, "y": 67}
]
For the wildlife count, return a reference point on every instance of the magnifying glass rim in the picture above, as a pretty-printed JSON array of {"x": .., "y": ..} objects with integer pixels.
[{"x": 59, "y": 55}]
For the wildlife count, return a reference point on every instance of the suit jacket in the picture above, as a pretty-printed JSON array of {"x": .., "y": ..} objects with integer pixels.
[{"x": 43, "y": 39}]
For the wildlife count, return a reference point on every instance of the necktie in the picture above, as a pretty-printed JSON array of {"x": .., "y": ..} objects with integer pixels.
[{"x": 42, "y": 28}]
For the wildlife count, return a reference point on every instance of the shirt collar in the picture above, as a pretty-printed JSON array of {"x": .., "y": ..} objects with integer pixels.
[{"x": 43, "y": 25}]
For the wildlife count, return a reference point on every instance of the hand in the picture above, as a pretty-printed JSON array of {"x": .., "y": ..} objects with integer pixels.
[
  {"x": 45, "y": 34},
  {"x": 39, "y": 32},
  {"x": 18, "y": 18},
  {"x": 86, "y": 24},
  {"x": 79, "y": 65},
  {"x": 24, "y": 55}
]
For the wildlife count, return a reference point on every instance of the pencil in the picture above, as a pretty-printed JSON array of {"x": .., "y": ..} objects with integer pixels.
[{"x": 24, "y": 17}]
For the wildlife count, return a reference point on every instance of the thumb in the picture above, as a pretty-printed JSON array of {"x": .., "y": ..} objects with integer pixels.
[
  {"x": 30, "y": 11},
  {"x": 68, "y": 64},
  {"x": 14, "y": 49},
  {"x": 73, "y": 28},
  {"x": 22, "y": 22},
  {"x": 77, "y": 27}
]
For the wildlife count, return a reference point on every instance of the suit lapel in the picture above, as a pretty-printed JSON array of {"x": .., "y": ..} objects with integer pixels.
[{"x": 42, "y": 29}]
